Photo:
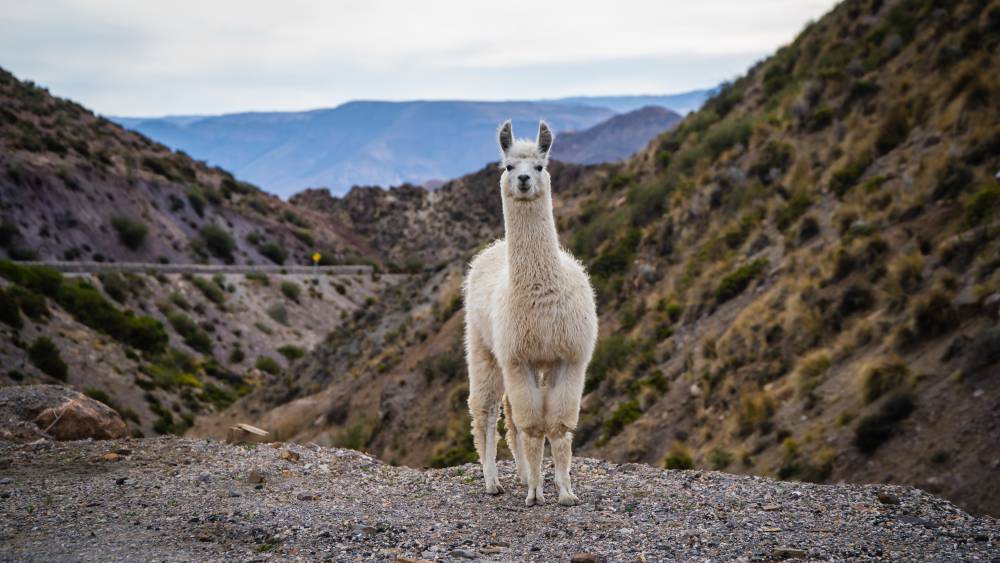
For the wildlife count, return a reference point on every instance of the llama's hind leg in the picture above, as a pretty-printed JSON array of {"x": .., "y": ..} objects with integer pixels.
[
  {"x": 562, "y": 411},
  {"x": 525, "y": 397},
  {"x": 514, "y": 442},
  {"x": 485, "y": 392}
]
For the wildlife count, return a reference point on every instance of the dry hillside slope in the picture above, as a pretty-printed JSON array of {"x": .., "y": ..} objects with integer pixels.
[{"x": 800, "y": 280}]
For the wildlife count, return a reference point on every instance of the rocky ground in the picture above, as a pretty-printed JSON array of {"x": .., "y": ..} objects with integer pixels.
[{"x": 178, "y": 499}]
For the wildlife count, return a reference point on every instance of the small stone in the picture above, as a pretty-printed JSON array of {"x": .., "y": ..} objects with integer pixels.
[
  {"x": 255, "y": 477},
  {"x": 289, "y": 455},
  {"x": 464, "y": 553},
  {"x": 770, "y": 530},
  {"x": 788, "y": 553},
  {"x": 585, "y": 557},
  {"x": 121, "y": 480},
  {"x": 307, "y": 496},
  {"x": 111, "y": 456},
  {"x": 492, "y": 550},
  {"x": 770, "y": 507},
  {"x": 233, "y": 494},
  {"x": 888, "y": 498},
  {"x": 6, "y": 481}
]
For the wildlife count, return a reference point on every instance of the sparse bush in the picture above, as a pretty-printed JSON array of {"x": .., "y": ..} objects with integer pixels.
[
  {"x": 610, "y": 354},
  {"x": 218, "y": 242},
  {"x": 192, "y": 334},
  {"x": 893, "y": 130},
  {"x": 197, "y": 200},
  {"x": 755, "y": 412},
  {"x": 810, "y": 371},
  {"x": 291, "y": 352},
  {"x": 856, "y": 298},
  {"x": 932, "y": 316},
  {"x": 795, "y": 207},
  {"x": 727, "y": 134},
  {"x": 44, "y": 354},
  {"x": 10, "y": 314},
  {"x": 846, "y": 177},
  {"x": 878, "y": 379},
  {"x": 291, "y": 290},
  {"x": 982, "y": 206},
  {"x": 267, "y": 364},
  {"x": 679, "y": 458},
  {"x": 258, "y": 278},
  {"x": 447, "y": 366},
  {"x": 236, "y": 355},
  {"x": 735, "y": 282},
  {"x": 279, "y": 313},
  {"x": 131, "y": 232},
  {"x": 209, "y": 289},
  {"x": 274, "y": 252},
  {"x": 873, "y": 430},
  {"x": 719, "y": 458},
  {"x": 775, "y": 156},
  {"x": 952, "y": 180},
  {"x": 626, "y": 413}
]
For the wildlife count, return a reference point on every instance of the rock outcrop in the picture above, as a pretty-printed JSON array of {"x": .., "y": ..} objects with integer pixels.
[{"x": 52, "y": 412}]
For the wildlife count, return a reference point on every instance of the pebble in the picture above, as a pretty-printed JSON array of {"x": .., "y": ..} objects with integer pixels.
[
  {"x": 789, "y": 553},
  {"x": 289, "y": 455},
  {"x": 111, "y": 456},
  {"x": 888, "y": 498},
  {"x": 584, "y": 557},
  {"x": 255, "y": 476},
  {"x": 464, "y": 553}
]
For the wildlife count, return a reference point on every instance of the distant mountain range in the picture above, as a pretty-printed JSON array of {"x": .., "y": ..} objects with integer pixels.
[
  {"x": 615, "y": 139},
  {"x": 376, "y": 143}
]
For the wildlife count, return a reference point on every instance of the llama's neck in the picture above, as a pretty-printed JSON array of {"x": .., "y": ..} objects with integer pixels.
[{"x": 532, "y": 242}]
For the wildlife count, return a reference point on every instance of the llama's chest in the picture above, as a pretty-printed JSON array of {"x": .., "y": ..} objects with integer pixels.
[{"x": 545, "y": 325}]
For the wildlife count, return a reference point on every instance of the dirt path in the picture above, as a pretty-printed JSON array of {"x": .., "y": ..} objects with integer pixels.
[{"x": 177, "y": 499}]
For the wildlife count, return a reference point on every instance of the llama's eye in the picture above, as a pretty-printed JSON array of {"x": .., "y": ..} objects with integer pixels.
[
  {"x": 509, "y": 168},
  {"x": 539, "y": 168}
]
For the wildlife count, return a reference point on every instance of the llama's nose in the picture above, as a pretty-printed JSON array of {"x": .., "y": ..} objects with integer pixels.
[{"x": 524, "y": 178}]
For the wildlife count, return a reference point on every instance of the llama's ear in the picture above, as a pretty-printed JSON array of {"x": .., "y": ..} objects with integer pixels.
[
  {"x": 545, "y": 137},
  {"x": 505, "y": 137}
]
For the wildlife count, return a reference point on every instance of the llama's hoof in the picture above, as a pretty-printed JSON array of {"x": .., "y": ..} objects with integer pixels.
[
  {"x": 534, "y": 497},
  {"x": 568, "y": 499},
  {"x": 494, "y": 488}
]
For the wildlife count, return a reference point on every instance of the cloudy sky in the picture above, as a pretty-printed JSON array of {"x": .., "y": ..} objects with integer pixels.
[{"x": 153, "y": 57}]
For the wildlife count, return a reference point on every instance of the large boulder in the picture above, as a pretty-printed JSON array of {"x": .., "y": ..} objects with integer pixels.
[{"x": 52, "y": 412}]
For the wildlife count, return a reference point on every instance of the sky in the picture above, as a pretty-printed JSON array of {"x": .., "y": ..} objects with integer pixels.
[{"x": 183, "y": 57}]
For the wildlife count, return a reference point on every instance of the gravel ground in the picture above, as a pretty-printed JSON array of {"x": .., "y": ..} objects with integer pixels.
[{"x": 178, "y": 499}]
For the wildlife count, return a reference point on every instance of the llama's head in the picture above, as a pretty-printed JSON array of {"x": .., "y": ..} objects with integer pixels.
[{"x": 524, "y": 162}]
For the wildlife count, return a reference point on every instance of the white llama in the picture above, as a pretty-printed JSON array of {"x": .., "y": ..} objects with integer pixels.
[{"x": 530, "y": 327}]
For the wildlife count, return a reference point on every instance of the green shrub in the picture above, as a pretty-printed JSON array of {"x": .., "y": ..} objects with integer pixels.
[
  {"x": 291, "y": 352},
  {"x": 610, "y": 354},
  {"x": 197, "y": 200},
  {"x": 679, "y": 458},
  {"x": 192, "y": 334},
  {"x": 116, "y": 285},
  {"x": 218, "y": 396},
  {"x": 291, "y": 290},
  {"x": 218, "y": 242},
  {"x": 735, "y": 282},
  {"x": 274, "y": 252},
  {"x": 720, "y": 458},
  {"x": 846, "y": 177},
  {"x": 617, "y": 258},
  {"x": 893, "y": 131},
  {"x": 459, "y": 453},
  {"x": 775, "y": 155},
  {"x": 873, "y": 430},
  {"x": 647, "y": 201},
  {"x": 44, "y": 354},
  {"x": 819, "y": 119},
  {"x": 179, "y": 301},
  {"x": 982, "y": 206},
  {"x": 878, "y": 379},
  {"x": 35, "y": 306},
  {"x": 236, "y": 355},
  {"x": 267, "y": 364},
  {"x": 131, "y": 232},
  {"x": 933, "y": 316},
  {"x": 279, "y": 313},
  {"x": 626, "y": 413},
  {"x": 952, "y": 180},
  {"x": 209, "y": 289},
  {"x": 856, "y": 298},
  {"x": 10, "y": 314},
  {"x": 795, "y": 207},
  {"x": 258, "y": 278},
  {"x": 727, "y": 134},
  {"x": 449, "y": 365}
]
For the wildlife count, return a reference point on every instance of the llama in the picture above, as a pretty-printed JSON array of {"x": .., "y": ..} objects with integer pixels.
[{"x": 530, "y": 327}]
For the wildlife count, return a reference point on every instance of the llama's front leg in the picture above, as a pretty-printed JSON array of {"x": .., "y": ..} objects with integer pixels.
[
  {"x": 562, "y": 411},
  {"x": 534, "y": 447},
  {"x": 514, "y": 442}
]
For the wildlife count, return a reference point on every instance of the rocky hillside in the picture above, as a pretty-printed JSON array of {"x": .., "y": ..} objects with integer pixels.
[
  {"x": 174, "y": 499},
  {"x": 615, "y": 139},
  {"x": 75, "y": 186},
  {"x": 161, "y": 348},
  {"x": 800, "y": 280}
]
